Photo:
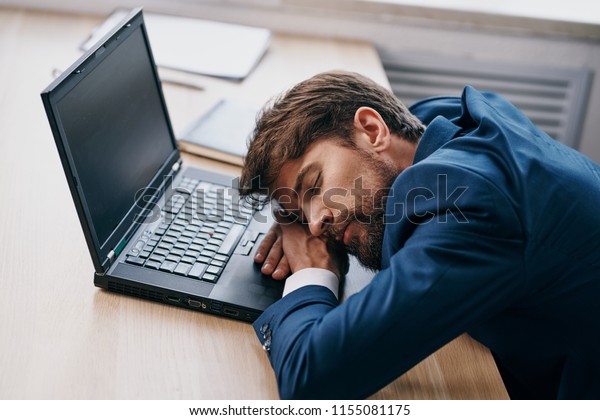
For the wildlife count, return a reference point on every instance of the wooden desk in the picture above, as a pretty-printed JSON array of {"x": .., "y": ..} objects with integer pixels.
[{"x": 60, "y": 337}]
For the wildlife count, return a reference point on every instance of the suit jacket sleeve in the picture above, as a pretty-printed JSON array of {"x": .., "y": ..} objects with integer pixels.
[{"x": 449, "y": 263}]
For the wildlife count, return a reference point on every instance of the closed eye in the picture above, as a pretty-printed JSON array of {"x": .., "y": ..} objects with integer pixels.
[{"x": 315, "y": 189}]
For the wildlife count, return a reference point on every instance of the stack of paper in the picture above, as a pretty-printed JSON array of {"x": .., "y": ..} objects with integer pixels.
[{"x": 197, "y": 46}]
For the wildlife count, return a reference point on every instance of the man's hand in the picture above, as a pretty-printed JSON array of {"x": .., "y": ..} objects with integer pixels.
[
  {"x": 270, "y": 254},
  {"x": 289, "y": 247}
]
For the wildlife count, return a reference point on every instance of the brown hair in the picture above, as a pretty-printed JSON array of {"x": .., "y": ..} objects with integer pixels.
[{"x": 320, "y": 107}]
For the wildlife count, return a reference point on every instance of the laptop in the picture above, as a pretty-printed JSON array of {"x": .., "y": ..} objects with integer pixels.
[{"x": 154, "y": 228}]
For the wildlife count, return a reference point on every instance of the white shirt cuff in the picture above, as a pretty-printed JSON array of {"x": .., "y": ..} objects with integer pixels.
[{"x": 312, "y": 276}]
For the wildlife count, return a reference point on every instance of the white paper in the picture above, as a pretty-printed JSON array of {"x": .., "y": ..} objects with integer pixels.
[{"x": 197, "y": 46}]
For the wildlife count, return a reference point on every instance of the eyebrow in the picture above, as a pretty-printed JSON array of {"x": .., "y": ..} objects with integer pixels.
[{"x": 301, "y": 175}]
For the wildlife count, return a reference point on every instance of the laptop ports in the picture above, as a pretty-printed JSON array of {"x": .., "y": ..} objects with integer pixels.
[
  {"x": 231, "y": 312},
  {"x": 195, "y": 303}
]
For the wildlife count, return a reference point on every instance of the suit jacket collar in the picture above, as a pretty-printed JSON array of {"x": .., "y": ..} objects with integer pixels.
[{"x": 439, "y": 132}]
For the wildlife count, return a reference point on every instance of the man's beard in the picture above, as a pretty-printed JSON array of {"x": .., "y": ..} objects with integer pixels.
[
  {"x": 369, "y": 212},
  {"x": 367, "y": 249}
]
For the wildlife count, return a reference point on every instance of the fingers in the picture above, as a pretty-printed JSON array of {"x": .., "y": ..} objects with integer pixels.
[
  {"x": 273, "y": 257},
  {"x": 266, "y": 244},
  {"x": 282, "y": 270},
  {"x": 270, "y": 255}
]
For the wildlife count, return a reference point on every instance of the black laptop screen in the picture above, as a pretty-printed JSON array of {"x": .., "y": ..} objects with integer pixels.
[{"x": 115, "y": 125}]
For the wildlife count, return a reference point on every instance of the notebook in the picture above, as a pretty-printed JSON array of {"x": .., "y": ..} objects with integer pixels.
[
  {"x": 221, "y": 133},
  {"x": 154, "y": 228}
]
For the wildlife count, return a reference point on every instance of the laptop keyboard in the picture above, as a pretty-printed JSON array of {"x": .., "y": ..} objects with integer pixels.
[{"x": 198, "y": 231}]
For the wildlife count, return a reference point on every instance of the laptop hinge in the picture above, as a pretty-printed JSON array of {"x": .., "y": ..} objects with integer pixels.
[{"x": 111, "y": 256}]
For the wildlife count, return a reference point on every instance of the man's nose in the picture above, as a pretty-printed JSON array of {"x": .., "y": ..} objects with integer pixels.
[{"x": 319, "y": 221}]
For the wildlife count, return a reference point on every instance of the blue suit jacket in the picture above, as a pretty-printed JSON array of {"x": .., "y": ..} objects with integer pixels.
[{"x": 494, "y": 231}]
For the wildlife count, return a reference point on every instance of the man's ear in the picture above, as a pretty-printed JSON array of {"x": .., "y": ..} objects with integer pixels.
[{"x": 370, "y": 131}]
